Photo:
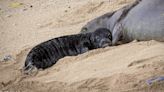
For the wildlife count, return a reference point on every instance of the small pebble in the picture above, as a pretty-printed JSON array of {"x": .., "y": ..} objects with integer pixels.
[
  {"x": 135, "y": 85},
  {"x": 7, "y": 58},
  {"x": 8, "y": 16},
  {"x": 25, "y": 9},
  {"x": 31, "y": 6}
]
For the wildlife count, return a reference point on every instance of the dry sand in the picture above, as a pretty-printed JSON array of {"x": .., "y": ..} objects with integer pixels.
[{"x": 123, "y": 68}]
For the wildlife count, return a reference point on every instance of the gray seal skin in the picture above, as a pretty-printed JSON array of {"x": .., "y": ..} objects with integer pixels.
[
  {"x": 100, "y": 22},
  {"x": 48, "y": 53},
  {"x": 107, "y": 20},
  {"x": 143, "y": 20}
]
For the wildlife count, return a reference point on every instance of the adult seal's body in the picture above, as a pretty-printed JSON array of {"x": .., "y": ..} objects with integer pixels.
[
  {"x": 48, "y": 53},
  {"x": 143, "y": 20}
]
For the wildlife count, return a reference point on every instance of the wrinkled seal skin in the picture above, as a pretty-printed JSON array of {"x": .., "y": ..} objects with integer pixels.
[
  {"x": 48, "y": 53},
  {"x": 143, "y": 20}
]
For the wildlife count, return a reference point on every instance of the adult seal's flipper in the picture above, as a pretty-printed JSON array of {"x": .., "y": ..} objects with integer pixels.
[{"x": 117, "y": 33}]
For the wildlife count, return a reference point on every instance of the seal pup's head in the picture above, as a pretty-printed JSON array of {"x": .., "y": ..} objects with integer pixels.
[{"x": 101, "y": 38}]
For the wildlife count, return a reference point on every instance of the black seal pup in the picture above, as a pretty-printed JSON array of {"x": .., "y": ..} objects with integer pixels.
[{"x": 48, "y": 53}]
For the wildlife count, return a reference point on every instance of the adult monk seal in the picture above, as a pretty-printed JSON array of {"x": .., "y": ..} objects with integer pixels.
[
  {"x": 48, "y": 53},
  {"x": 143, "y": 20}
]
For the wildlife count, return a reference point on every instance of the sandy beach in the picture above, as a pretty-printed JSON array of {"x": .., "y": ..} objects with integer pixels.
[{"x": 122, "y": 68}]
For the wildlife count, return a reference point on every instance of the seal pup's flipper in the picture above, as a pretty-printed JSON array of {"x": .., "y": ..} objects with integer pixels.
[{"x": 30, "y": 69}]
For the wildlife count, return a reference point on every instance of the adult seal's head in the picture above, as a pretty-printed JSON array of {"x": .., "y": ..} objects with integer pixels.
[{"x": 99, "y": 22}]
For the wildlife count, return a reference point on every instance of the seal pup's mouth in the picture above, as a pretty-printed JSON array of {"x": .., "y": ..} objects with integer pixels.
[
  {"x": 29, "y": 70},
  {"x": 105, "y": 43}
]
